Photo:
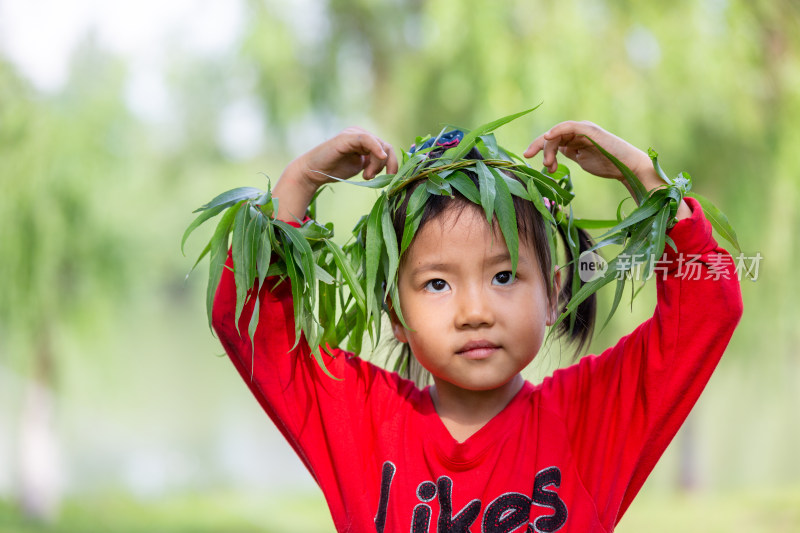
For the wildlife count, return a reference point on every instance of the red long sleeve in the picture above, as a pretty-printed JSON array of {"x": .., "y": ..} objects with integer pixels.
[
  {"x": 567, "y": 455},
  {"x": 624, "y": 406}
]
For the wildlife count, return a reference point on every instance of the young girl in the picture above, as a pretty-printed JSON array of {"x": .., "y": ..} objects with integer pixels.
[{"x": 482, "y": 449}]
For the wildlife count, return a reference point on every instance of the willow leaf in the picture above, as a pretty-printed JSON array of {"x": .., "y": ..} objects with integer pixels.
[
  {"x": 416, "y": 202},
  {"x": 468, "y": 142},
  {"x": 327, "y": 304},
  {"x": 323, "y": 275},
  {"x": 488, "y": 189},
  {"x": 238, "y": 251},
  {"x": 617, "y": 298},
  {"x": 654, "y": 247},
  {"x": 414, "y": 212},
  {"x": 506, "y": 218},
  {"x": 465, "y": 186},
  {"x": 437, "y": 180},
  {"x": 572, "y": 240},
  {"x": 219, "y": 254},
  {"x": 546, "y": 185},
  {"x": 654, "y": 158},
  {"x": 515, "y": 187},
  {"x": 719, "y": 221},
  {"x": 199, "y": 258},
  {"x": 312, "y": 230},
  {"x": 390, "y": 245},
  {"x": 355, "y": 334},
  {"x": 231, "y": 197},
  {"x": 538, "y": 202},
  {"x": 588, "y": 223},
  {"x": 638, "y": 190},
  {"x": 617, "y": 238},
  {"x": 315, "y": 351},
  {"x": 373, "y": 254},
  {"x": 297, "y": 291},
  {"x": 264, "y": 251},
  {"x": 574, "y": 244},
  {"x": 264, "y": 199},
  {"x": 304, "y": 258},
  {"x": 619, "y": 208},
  {"x": 251, "y": 333},
  {"x": 394, "y": 293},
  {"x": 349, "y": 274},
  {"x": 669, "y": 242},
  {"x": 586, "y": 290},
  {"x": 649, "y": 208},
  {"x": 251, "y": 235},
  {"x": 205, "y": 215},
  {"x": 488, "y": 150},
  {"x": 435, "y": 185},
  {"x": 378, "y": 182}
]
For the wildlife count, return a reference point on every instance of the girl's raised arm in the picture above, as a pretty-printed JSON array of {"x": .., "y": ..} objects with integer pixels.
[
  {"x": 325, "y": 420},
  {"x": 571, "y": 138},
  {"x": 351, "y": 151}
]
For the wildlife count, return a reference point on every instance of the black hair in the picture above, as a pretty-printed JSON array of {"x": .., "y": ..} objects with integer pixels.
[{"x": 531, "y": 226}]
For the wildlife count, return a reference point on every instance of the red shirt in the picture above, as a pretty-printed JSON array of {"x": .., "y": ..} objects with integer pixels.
[{"x": 569, "y": 454}]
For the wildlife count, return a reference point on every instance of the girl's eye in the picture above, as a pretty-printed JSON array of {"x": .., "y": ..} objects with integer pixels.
[
  {"x": 436, "y": 285},
  {"x": 503, "y": 278}
]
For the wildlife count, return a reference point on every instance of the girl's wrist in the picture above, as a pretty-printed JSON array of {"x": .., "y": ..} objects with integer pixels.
[
  {"x": 649, "y": 177},
  {"x": 294, "y": 191}
]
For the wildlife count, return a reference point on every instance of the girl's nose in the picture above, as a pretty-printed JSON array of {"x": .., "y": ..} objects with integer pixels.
[{"x": 474, "y": 310}]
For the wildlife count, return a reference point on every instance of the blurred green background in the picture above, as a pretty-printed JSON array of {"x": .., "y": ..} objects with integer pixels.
[{"x": 118, "y": 119}]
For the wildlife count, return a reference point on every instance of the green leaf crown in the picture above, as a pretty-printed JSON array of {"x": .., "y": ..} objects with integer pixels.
[{"x": 339, "y": 293}]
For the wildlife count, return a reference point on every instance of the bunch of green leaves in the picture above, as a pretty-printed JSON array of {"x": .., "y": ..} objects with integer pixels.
[
  {"x": 262, "y": 246},
  {"x": 341, "y": 292},
  {"x": 642, "y": 234}
]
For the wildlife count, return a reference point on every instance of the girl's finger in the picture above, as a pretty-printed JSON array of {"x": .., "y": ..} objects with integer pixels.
[
  {"x": 548, "y": 147},
  {"x": 373, "y": 152},
  {"x": 367, "y": 144},
  {"x": 391, "y": 163},
  {"x": 535, "y": 147},
  {"x": 568, "y": 127},
  {"x": 565, "y": 130},
  {"x": 550, "y": 152},
  {"x": 372, "y": 168},
  {"x": 376, "y": 163}
]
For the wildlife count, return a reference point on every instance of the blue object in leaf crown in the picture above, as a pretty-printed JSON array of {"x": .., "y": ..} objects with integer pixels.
[{"x": 445, "y": 140}]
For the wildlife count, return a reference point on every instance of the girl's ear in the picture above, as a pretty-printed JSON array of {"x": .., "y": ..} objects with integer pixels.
[
  {"x": 552, "y": 312},
  {"x": 397, "y": 328}
]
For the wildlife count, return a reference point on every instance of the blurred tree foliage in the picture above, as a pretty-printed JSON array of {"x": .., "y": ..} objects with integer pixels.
[
  {"x": 60, "y": 165},
  {"x": 714, "y": 85},
  {"x": 64, "y": 248},
  {"x": 90, "y": 192}
]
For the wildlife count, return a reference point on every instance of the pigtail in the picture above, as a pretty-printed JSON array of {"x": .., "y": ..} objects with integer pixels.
[{"x": 582, "y": 329}]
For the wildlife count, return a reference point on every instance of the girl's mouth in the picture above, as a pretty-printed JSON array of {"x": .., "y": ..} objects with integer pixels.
[{"x": 477, "y": 349}]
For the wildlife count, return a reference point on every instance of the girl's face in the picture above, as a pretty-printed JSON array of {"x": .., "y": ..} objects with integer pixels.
[{"x": 470, "y": 323}]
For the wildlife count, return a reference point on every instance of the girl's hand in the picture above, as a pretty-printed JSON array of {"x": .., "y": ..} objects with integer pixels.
[
  {"x": 570, "y": 138},
  {"x": 351, "y": 151}
]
